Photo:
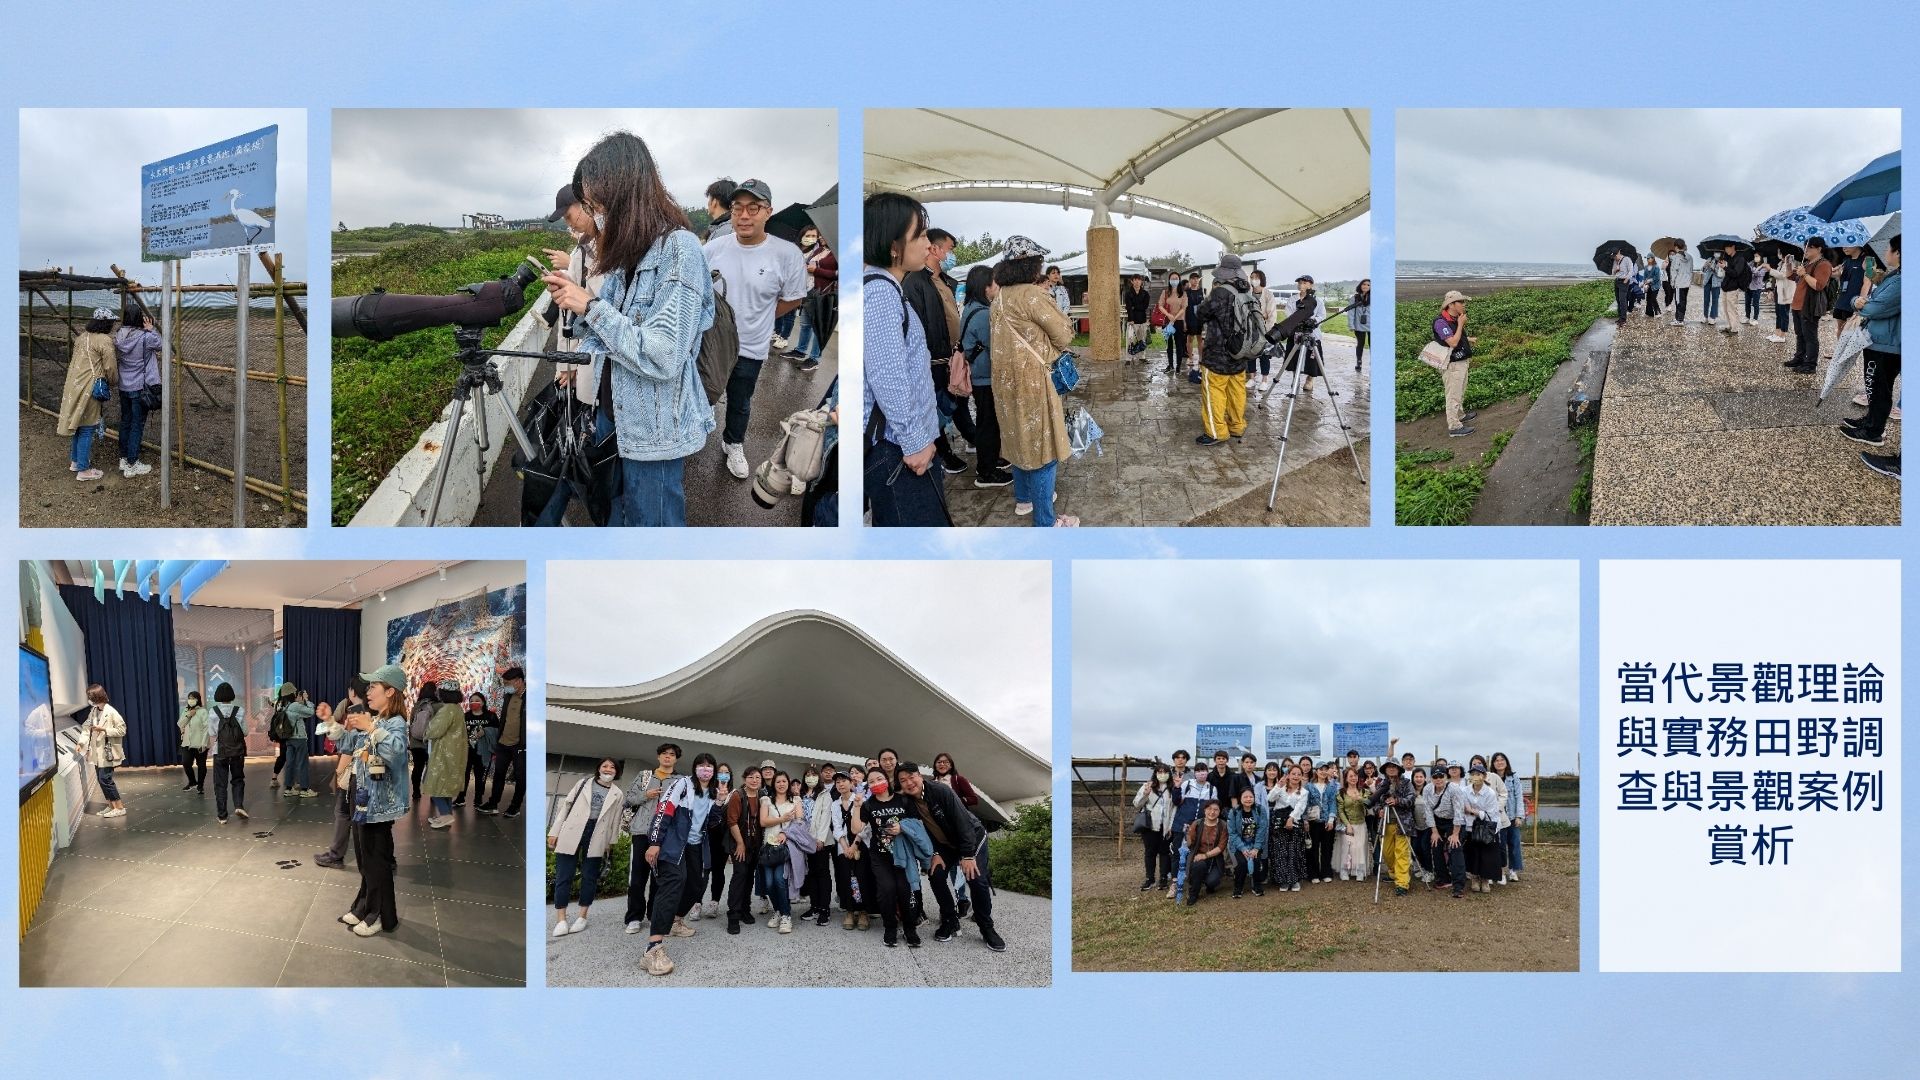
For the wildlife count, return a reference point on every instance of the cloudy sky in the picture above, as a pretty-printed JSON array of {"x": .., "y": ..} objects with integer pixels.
[
  {"x": 80, "y": 184},
  {"x": 981, "y": 631},
  {"x": 429, "y": 166},
  {"x": 1338, "y": 255},
  {"x": 1513, "y": 185},
  {"x": 1473, "y": 656}
]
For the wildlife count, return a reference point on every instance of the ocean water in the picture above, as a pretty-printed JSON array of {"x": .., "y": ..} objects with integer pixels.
[{"x": 1521, "y": 271}]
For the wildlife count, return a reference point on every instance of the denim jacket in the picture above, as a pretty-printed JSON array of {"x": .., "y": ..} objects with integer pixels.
[
  {"x": 1238, "y": 818},
  {"x": 652, "y": 333},
  {"x": 1321, "y": 801},
  {"x": 390, "y": 799},
  {"x": 1881, "y": 313}
]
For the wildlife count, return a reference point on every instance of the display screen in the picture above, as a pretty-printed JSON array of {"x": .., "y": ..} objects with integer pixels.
[{"x": 36, "y": 721}]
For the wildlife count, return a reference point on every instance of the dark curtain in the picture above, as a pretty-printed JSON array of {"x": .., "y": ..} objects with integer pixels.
[
  {"x": 320, "y": 651},
  {"x": 130, "y": 652}
]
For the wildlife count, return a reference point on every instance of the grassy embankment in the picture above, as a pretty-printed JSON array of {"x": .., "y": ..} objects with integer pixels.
[
  {"x": 1523, "y": 335},
  {"x": 386, "y": 393}
]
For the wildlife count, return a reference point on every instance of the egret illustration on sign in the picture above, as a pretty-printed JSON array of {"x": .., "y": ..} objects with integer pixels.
[
  {"x": 1233, "y": 738},
  {"x": 1289, "y": 740},
  {"x": 1369, "y": 739},
  {"x": 217, "y": 200}
]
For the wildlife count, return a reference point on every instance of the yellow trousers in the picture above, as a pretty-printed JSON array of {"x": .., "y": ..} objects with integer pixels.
[
  {"x": 1399, "y": 853},
  {"x": 1224, "y": 404}
]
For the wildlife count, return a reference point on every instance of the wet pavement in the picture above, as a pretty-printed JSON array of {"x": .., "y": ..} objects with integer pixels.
[
  {"x": 1699, "y": 427},
  {"x": 714, "y": 497},
  {"x": 1151, "y": 473}
]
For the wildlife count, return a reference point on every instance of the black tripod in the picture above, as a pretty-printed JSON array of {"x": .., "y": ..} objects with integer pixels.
[
  {"x": 478, "y": 372},
  {"x": 1303, "y": 351}
]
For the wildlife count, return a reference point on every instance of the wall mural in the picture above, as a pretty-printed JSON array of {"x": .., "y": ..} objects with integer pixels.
[{"x": 471, "y": 640}]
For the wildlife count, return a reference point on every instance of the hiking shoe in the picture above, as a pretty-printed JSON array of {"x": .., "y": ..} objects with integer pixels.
[
  {"x": 992, "y": 938},
  {"x": 1470, "y": 414},
  {"x": 847, "y": 923},
  {"x": 946, "y": 930},
  {"x": 992, "y": 478},
  {"x": 657, "y": 962},
  {"x": 1862, "y": 435},
  {"x": 1884, "y": 464},
  {"x": 863, "y": 922},
  {"x": 1460, "y": 432},
  {"x": 681, "y": 929}
]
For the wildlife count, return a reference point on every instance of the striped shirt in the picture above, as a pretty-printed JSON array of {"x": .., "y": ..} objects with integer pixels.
[{"x": 898, "y": 377}]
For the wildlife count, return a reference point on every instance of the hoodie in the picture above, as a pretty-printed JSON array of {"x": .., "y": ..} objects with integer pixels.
[{"x": 139, "y": 356}]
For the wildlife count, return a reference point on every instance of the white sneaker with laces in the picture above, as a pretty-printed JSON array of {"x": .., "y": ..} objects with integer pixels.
[
  {"x": 141, "y": 468},
  {"x": 736, "y": 459}
]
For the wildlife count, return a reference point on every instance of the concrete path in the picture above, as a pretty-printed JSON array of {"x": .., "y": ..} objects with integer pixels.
[
  {"x": 605, "y": 955},
  {"x": 1152, "y": 473},
  {"x": 1704, "y": 428},
  {"x": 1530, "y": 482}
]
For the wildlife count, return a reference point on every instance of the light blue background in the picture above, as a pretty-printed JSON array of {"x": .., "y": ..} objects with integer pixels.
[{"x": 855, "y": 55}]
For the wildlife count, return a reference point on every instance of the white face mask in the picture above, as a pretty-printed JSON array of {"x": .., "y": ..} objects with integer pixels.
[{"x": 606, "y": 777}]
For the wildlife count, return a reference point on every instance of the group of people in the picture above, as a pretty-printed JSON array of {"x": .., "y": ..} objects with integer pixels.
[
  {"x": 1851, "y": 284},
  {"x": 638, "y": 289},
  {"x": 1292, "y": 823},
  {"x": 871, "y": 838},
  {"x": 981, "y": 356},
  {"x": 369, "y": 734},
  {"x": 111, "y": 354}
]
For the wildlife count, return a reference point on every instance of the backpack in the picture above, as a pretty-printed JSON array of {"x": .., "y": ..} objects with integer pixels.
[
  {"x": 230, "y": 736},
  {"x": 280, "y": 728},
  {"x": 1242, "y": 335},
  {"x": 1833, "y": 286},
  {"x": 720, "y": 345},
  {"x": 798, "y": 460}
]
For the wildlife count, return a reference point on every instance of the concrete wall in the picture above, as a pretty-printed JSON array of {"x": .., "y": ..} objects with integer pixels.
[{"x": 462, "y": 578}]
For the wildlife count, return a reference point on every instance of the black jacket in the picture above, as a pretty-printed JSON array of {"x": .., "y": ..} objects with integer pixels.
[
  {"x": 924, "y": 296},
  {"x": 940, "y": 807},
  {"x": 1216, "y": 319},
  {"x": 1230, "y": 790},
  {"x": 1138, "y": 304}
]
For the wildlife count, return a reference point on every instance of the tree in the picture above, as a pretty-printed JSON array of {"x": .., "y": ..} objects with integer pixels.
[
  {"x": 969, "y": 251},
  {"x": 1179, "y": 258}
]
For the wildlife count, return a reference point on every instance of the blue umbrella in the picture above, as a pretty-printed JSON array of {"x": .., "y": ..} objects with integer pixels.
[
  {"x": 1799, "y": 225},
  {"x": 1872, "y": 192}
]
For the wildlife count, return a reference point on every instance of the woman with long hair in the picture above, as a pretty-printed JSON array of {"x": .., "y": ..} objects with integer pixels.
[
  {"x": 644, "y": 327},
  {"x": 976, "y": 344},
  {"x": 850, "y": 877},
  {"x": 1323, "y": 810},
  {"x": 1155, "y": 801},
  {"x": 194, "y": 742},
  {"x": 1515, "y": 813},
  {"x": 137, "y": 351},
  {"x": 1360, "y": 319},
  {"x": 377, "y": 743},
  {"x": 1247, "y": 836},
  {"x": 703, "y": 852},
  {"x": 1029, "y": 333},
  {"x": 93, "y": 367},
  {"x": 105, "y": 733},
  {"x": 780, "y": 810},
  {"x": 1350, "y": 855},
  {"x": 584, "y": 824},
  {"x": 1269, "y": 307},
  {"x": 1173, "y": 308},
  {"x": 1480, "y": 829},
  {"x": 483, "y": 725},
  {"x": 1287, "y": 817}
]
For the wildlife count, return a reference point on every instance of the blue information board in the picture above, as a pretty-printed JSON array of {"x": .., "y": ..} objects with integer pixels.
[
  {"x": 1233, "y": 738},
  {"x": 1292, "y": 740},
  {"x": 217, "y": 200},
  {"x": 1369, "y": 739}
]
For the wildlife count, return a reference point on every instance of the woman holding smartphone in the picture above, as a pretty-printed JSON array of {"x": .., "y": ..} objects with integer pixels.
[{"x": 377, "y": 743}]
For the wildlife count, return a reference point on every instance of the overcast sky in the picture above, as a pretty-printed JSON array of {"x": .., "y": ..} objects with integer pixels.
[
  {"x": 1473, "y": 656},
  {"x": 80, "y": 185},
  {"x": 429, "y": 166},
  {"x": 1512, "y": 185},
  {"x": 1337, "y": 255},
  {"x": 981, "y": 631}
]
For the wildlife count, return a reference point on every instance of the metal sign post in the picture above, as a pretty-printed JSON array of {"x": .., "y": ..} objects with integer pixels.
[
  {"x": 167, "y": 270},
  {"x": 242, "y": 291}
]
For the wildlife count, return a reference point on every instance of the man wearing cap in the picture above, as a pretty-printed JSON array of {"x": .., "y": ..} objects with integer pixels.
[
  {"x": 959, "y": 840},
  {"x": 1450, "y": 329},
  {"x": 640, "y": 799},
  {"x": 1224, "y": 393},
  {"x": 510, "y": 750},
  {"x": 1394, "y": 799},
  {"x": 764, "y": 277}
]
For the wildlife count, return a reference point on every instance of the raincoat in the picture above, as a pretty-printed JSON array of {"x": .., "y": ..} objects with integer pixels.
[
  {"x": 1033, "y": 429},
  {"x": 93, "y": 358},
  {"x": 446, "y": 753}
]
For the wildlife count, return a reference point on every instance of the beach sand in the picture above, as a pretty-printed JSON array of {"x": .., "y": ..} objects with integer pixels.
[{"x": 1435, "y": 288}]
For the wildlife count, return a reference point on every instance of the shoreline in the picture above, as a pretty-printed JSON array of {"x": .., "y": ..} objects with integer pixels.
[{"x": 1405, "y": 289}]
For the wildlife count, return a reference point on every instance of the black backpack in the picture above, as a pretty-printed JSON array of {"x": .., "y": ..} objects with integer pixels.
[
  {"x": 230, "y": 735},
  {"x": 280, "y": 728}
]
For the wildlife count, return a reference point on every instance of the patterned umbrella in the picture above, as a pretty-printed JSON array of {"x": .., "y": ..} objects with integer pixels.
[{"x": 1799, "y": 225}]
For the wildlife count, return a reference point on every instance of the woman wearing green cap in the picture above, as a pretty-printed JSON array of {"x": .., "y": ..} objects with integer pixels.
[{"x": 377, "y": 743}]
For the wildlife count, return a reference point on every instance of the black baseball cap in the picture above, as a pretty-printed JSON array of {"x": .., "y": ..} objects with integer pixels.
[
  {"x": 562, "y": 200},
  {"x": 756, "y": 188}
]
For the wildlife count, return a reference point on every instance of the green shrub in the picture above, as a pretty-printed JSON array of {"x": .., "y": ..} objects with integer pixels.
[
  {"x": 1580, "y": 499},
  {"x": 1522, "y": 336},
  {"x": 613, "y": 868},
  {"x": 1423, "y": 495},
  {"x": 1022, "y": 853}
]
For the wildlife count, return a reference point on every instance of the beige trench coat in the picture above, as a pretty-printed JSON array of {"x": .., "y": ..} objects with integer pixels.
[
  {"x": 1033, "y": 429},
  {"x": 93, "y": 357}
]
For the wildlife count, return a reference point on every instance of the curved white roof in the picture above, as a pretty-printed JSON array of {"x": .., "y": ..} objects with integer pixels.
[
  {"x": 809, "y": 679},
  {"x": 1252, "y": 178}
]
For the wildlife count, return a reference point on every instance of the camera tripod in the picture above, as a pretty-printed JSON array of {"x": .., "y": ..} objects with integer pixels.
[
  {"x": 1305, "y": 347},
  {"x": 479, "y": 373}
]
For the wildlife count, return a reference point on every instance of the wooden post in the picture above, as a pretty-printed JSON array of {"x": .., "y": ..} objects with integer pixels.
[
  {"x": 1536, "y": 796},
  {"x": 1120, "y": 819},
  {"x": 280, "y": 371},
  {"x": 29, "y": 348},
  {"x": 179, "y": 362}
]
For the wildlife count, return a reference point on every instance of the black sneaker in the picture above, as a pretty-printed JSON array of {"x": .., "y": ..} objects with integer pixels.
[
  {"x": 809, "y": 364},
  {"x": 1884, "y": 464},
  {"x": 954, "y": 463},
  {"x": 992, "y": 478},
  {"x": 946, "y": 930},
  {"x": 913, "y": 938},
  {"x": 793, "y": 354},
  {"x": 992, "y": 937},
  {"x": 1862, "y": 435},
  {"x": 1236, "y": 894},
  {"x": 747, "y": 917},
  {"x": 1146, "y": 885},
  {"x": 486, "y": 809},
  {"x": 1469, "y": 415},
  {"x": 1460, "y": 432},
  {"x": 1208, "y": 440},
  {"x": 1855, "y": 421},
  {"x": 965, "y": 906},
  {"x": 511, "y": 814},
  {"x": 733, "y": 925},
  {"x": 892, "y": 940},
  {"x": 1258, "y": 891}
]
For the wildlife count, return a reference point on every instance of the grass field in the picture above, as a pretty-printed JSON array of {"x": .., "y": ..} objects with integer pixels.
[
  {"x": 1522, "y": 336},
  {"x": 1429, "y": 490},
  {"x": 386, "y": 393},
  {"x": 382, "y": 238}
]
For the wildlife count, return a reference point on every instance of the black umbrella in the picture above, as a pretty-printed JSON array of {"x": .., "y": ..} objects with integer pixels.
[
  {"x": 1770, "y": 249},
  {"x": 1603, "y": 255},
  {"x": 822, "y": 214},
  {"x": 1717, "y": 245}
]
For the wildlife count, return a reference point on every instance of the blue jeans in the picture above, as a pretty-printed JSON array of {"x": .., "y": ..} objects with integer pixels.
[
  {"x": 809, "y": 343},
  {"x": 564, "y": 865},
  {"x": 746, "y": 373},
  {"x": 1753, "y": 305},
  {"x": 1036, "y": 486},
  {"x": 652, "y": 493},
  {"x": 773, "y": 881},
  {"x": 783, "y": 326},
  {"x": 1713, "y": 302},
  {"x": 296, "y": 769},
  {"x": 441, "y": 806},
  {"x": 133, "y": 425},
  {"x": 1512, "y": 837},
  {"x": 109, "y": 790},
  {"x": 83, "y": 444}
]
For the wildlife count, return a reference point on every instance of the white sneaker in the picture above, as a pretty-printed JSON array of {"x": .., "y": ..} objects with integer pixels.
[
  {"x": 1860, "y": 400},
  {"x": 125, "y": 473},
  {"x": 1894, "y": 416},
  {"x": 1022, "y": 509},
  {"x": 786, "y": 924},
  {"x": 350, "y": 919},
  {"x": 736, "y": 459},
  {"x": 578, "y": 924},
  {"x": 440, "y": 822},
  {"x": 560, "y": 929},
  {"x": 367, "y": 929},
  {"x": 713, "y": 909},
  {"x": 693, "y": 914},
  {"x": 1296, "y": 888},
  {"x": 141, "y": 468},
  {"x": 1513, "y": 875},
  {"x": 765, "y": 905},
  {"x": 633, "y": 927}
]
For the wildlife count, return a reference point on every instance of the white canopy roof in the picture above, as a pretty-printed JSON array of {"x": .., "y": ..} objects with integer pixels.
[{"x": 1251, "y": 178}]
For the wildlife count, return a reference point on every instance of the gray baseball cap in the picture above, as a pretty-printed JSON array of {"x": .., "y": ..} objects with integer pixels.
[{"x": 756, "y": 188}]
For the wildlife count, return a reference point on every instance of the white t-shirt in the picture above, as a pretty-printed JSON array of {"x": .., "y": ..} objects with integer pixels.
[{"x": 757, "y": 278}]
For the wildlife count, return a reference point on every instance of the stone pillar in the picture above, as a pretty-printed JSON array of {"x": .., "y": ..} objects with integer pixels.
[{"x": 1106, "y": 338}]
